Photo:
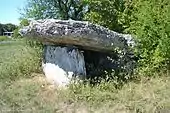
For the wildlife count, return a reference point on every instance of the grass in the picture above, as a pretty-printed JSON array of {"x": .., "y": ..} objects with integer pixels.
[
  {"x": 35, "y": 95},
  {"x": 3, "y": 38},
  {"x": 17, "y": 59},
  {"x": 29, "y": 92}
]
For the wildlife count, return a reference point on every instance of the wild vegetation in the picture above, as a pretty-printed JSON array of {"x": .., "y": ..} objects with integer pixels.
[
  {"x": 23, "y": 87},
  {"x": 151, "y": 27}
]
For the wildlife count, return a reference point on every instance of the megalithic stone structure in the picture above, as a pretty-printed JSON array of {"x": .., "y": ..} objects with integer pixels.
[{"x": 64, "y": 41}]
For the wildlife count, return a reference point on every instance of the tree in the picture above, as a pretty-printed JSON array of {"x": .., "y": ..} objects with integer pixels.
[
  {"x": 151, "y": 26},
  {"x": 113, "y": 14},
  {"x": 1, "y": 29},
  {"x": 57, "y": 9},
  {"x": 7, "y": 27}
]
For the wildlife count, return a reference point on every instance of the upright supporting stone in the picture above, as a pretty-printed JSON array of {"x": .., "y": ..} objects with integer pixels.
[{"x": 61, "y": 63}]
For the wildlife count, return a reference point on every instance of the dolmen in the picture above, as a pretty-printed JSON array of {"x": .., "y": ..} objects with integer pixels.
[{"x": 65, "y": 42}]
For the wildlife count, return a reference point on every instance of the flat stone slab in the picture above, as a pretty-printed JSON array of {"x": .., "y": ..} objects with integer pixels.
[{"x": 82, "y": 34}]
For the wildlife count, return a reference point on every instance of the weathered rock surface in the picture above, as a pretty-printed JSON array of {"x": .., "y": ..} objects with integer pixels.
[
  {"x": 60, "y": 63},
  {"x": 78, "y": 33}
]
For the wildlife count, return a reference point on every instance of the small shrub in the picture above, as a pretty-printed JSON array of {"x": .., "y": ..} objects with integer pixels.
[
  {"x": 23, "y": 22},
  {"x": 16, "y": 34}
]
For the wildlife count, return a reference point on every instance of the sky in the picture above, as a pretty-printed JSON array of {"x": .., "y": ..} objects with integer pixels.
[{"x": 10, "y": 11}]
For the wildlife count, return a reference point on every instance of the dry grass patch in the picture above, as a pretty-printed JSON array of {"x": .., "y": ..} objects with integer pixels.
[{"x": 36, "y": 95}]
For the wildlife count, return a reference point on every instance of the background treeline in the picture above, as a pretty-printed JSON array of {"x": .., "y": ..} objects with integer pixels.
[
  {"x": 7, "y": 28},
  {"x": 147, "y": 20}
]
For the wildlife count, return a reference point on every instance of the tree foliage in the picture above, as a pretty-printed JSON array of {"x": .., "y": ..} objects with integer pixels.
[
  {"x": 151, "y": 26},
  {"x": 7, "y": 28},
  {"x": 24, "y": 22},
  {"x": 58, "y": 9},
  {"x": 113, "y": 14}
]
